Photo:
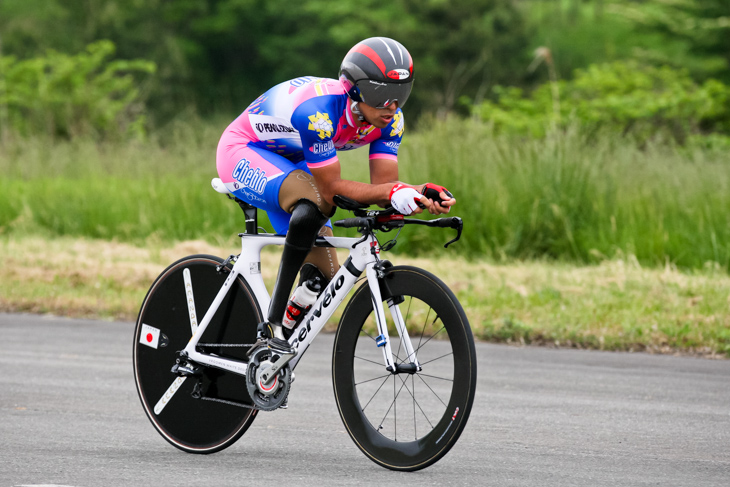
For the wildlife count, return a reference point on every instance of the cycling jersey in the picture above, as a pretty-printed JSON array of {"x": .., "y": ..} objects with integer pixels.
[
  {"x": 310, "y": 119},
  {"x": 298, "y": 124}
]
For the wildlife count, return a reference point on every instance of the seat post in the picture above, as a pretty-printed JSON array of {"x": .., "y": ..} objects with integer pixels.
[{"x": 252, "y": 219}]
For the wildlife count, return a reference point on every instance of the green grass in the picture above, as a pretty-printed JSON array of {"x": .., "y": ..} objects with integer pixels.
[
  {"x": 578, "y": 197},
  {"x": 569, "y": 197},
  {"x": 616, "y": 305}
]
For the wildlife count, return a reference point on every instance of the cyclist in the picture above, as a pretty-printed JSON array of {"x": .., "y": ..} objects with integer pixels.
[{"x": 280, "y": 155}]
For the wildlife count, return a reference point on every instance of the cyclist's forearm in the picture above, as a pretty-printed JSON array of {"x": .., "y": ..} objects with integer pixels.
[{"x": 371, "y": 194}]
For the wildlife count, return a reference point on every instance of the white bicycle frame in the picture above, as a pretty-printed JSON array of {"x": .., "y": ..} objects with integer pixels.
[{"x": 363, "y": 256}]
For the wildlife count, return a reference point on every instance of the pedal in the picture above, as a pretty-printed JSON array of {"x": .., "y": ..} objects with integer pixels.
[{"x": 281, "y": 347}]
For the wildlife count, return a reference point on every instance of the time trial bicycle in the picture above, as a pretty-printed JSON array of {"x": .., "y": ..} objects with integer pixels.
[{"x": 404, "y": 381}]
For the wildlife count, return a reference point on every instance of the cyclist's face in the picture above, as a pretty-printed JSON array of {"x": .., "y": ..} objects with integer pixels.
[{"x": 378, "y": 117}]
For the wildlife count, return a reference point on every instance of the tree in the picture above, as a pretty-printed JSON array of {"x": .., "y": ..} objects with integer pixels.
[
  {"x": 218, "y": 55},
  {"x": 703, "y": 26}
]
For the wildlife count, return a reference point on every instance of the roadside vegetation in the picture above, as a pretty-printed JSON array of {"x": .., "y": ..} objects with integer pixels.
[
  {"x": 614, "y": 305},
  {"x": 569, "y": 196}
]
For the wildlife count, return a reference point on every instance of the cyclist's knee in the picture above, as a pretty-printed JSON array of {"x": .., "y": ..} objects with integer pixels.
[
  {"x": 306, "y": 220},
  {"x": 299, "y": 185},
  {"x": 321, "y": 262}
]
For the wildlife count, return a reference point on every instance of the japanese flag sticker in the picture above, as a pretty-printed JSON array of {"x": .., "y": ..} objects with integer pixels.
[{"x": 149, "y": 336}]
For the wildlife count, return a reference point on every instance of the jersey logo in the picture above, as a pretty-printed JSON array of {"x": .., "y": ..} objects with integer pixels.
[
  {"x": 268, "y": 127},
  {"x": 398, "y": 125},
  {"x": 254, "y": 179},
  {"x": 321, "y": 124}
]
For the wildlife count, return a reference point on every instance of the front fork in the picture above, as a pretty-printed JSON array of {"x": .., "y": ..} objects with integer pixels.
[{"x": 379, "y": 291}]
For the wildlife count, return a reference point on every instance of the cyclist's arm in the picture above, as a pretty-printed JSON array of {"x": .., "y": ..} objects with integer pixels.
[
  {"x": 383, "y": 171},
  {"x": 383, "y": 176},
  {"x": 330, "y": 183}
]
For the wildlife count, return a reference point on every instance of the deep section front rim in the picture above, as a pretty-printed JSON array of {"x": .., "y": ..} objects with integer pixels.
[{"x": 406, "y": 421}]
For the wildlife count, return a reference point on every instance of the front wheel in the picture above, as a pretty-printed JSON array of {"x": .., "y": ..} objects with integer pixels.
[{"x": 407, "y": 420}]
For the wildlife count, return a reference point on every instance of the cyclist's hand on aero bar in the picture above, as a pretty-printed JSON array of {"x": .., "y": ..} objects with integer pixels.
[
  {"x": 434, "y": 198},
  {"x": 405, "y": 199},
  {"x": 439, "y": 199}
]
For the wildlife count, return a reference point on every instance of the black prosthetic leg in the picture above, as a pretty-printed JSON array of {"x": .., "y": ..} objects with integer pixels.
[{"x": 306, "y": 220}]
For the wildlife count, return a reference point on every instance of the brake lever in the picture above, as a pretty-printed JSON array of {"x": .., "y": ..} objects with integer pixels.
[
  {"x": 367, "y": 230},
  {"x": 457, "y": 224}
]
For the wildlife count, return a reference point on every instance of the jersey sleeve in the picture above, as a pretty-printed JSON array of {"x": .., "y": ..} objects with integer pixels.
[
  {"x": 386, "y": 146},
  {"x": 316, "y": 120}
]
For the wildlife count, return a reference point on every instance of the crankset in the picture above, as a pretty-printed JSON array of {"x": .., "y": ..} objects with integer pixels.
[{"x": 267, "y": 380}]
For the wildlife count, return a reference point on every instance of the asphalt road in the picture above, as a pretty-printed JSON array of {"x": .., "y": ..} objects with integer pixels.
[{"x": 69, "y": 415}]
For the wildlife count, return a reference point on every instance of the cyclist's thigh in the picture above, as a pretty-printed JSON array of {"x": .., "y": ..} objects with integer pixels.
[
  {"x": 255, "y": 175},
  {"x": 300, "y": 185}
]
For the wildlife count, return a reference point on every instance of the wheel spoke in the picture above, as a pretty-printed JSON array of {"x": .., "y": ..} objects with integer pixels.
[
  {"x": 434, "y": 392},
  {"x": 392, "y": 404},
  {"x": 375, "y": 394},
  {"x": 370, "y": 380},
  {"x": 421, "y": 345},
  {"x": 368, "y": 334},
  {"x": 415, "y": 423},
  {"x": 416, "y": 403},
  {"x": 437, "y": 358},
  {"x": 380, "y": 364},
  {"x": 395, "y": 411},
  {"x": 428, "y": 322},
  {"x": 435, "y": 377}
]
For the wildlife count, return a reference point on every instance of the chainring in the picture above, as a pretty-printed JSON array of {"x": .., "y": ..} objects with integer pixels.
[{"x": 266, "y": 397}]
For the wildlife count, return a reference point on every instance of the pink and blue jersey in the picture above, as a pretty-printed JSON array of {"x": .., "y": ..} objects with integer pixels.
[{"x": 298, "y": 124}]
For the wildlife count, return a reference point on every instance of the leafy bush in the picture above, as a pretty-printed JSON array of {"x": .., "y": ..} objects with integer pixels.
[
  {"x": 62, "y": 95},
  {"x": 636, "y": 100}
]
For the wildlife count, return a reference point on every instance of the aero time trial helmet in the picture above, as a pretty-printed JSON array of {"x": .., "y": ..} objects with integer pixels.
[{"x": 378, "y": 71}]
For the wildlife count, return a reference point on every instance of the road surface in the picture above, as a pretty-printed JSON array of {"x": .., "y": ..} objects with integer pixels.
[{"x": 69, "y": 415}]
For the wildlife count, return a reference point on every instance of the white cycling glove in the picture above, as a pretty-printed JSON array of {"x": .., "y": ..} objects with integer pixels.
[{"x": 404, "y": 199}]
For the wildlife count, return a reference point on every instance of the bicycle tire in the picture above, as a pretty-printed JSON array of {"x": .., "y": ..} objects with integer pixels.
[
  {"x": 218, "y": 419},
  {"x": 438, "y": 399}
]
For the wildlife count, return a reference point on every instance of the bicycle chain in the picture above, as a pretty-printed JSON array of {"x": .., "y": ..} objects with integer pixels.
[{"x": 230, "y": 403}]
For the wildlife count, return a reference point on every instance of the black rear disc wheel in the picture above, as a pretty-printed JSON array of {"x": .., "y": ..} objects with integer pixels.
[{"x": 218, "y": 417}]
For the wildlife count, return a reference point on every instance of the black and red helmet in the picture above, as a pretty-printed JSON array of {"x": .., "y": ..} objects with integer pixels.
[{"x": 378, "y": 71}]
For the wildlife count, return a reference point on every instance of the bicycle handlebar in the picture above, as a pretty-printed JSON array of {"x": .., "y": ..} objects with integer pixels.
[
  {"x": 353, "y": 223},
  {"x": 387, "y": 220}
]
